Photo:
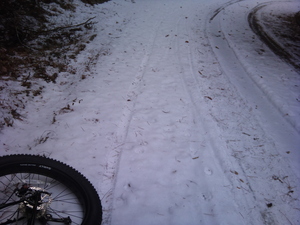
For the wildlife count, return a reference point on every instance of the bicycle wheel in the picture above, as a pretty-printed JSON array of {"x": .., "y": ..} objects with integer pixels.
[{"x": 36, "y": 190}]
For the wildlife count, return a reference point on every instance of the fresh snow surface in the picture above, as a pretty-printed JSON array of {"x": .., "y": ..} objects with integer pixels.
[{"x": 186, "y": 117}]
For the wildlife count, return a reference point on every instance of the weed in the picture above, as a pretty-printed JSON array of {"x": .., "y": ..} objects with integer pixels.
[
  {"x": 66, "y": 109},
  {"x": 44, "y": 137},
  {"x": 8, "y": 121}
]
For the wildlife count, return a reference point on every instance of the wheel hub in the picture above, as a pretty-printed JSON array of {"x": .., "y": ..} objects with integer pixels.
[{"x": 35, "y": 200}]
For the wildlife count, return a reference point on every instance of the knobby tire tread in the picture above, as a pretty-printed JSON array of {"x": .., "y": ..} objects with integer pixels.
[{"x": 67, "y": 175}]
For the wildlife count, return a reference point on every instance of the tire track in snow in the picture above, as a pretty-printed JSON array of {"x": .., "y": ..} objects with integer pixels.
[
  {"x": 247, "y": 157},
  {"x": 218, "y": 10},
  {"x": 211, "y": 20},
  {"x": 249, "y": 88},
  {"x": 214, "y": 159},
  {"x": 197, "y": 142},
  {"x": 188, "y": 193},
  {"x": 114, "y": 155}
]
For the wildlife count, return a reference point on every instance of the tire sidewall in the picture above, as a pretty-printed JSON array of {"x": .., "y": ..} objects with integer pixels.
[{"x": 68, "y": 176}]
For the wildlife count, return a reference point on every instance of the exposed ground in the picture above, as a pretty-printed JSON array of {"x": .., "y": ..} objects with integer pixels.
[{"x": 280, "y": 30}]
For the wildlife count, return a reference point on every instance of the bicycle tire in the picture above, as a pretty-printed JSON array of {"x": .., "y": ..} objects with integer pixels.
[{"x": 47, "y": 174}]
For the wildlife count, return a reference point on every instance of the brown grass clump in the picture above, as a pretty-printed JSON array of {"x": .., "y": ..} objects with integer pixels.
[{"x": 34, "y": 49}]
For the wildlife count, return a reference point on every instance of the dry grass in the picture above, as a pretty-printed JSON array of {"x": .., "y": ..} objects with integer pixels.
[{"x": 34, "y": 50}]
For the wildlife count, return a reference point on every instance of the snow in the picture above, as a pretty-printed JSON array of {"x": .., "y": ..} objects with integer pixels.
[{"x": 185, "y": 118}]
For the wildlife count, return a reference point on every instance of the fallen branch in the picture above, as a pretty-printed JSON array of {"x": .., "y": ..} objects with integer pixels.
[{"x": 66, "y": 27}]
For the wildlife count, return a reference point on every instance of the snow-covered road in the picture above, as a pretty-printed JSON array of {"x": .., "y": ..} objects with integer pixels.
[{"x": 187, "y": 118}]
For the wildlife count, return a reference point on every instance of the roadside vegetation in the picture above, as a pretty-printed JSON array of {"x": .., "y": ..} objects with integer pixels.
[{"x": 38, "y": 40}]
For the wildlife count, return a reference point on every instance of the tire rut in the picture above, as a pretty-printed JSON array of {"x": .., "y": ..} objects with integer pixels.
[
  {"x": 208, "y": 147},
  {"x": 251, "y": 151},
  {"x": 115, "y": 154}
]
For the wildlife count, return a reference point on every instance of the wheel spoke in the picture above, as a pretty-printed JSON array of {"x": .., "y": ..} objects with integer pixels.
[
  {"x": 61, "y": 202},
  {"x": 36, "y": 190}
]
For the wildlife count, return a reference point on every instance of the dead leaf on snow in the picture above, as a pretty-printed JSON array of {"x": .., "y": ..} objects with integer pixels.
[{"x": 234, "y": 172}]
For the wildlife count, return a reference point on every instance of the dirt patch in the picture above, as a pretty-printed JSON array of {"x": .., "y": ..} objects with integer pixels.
[{"x": 280, "y": 31}]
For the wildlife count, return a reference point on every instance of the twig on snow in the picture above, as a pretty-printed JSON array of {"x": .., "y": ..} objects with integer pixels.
[{"x": 286, "y": 217}]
